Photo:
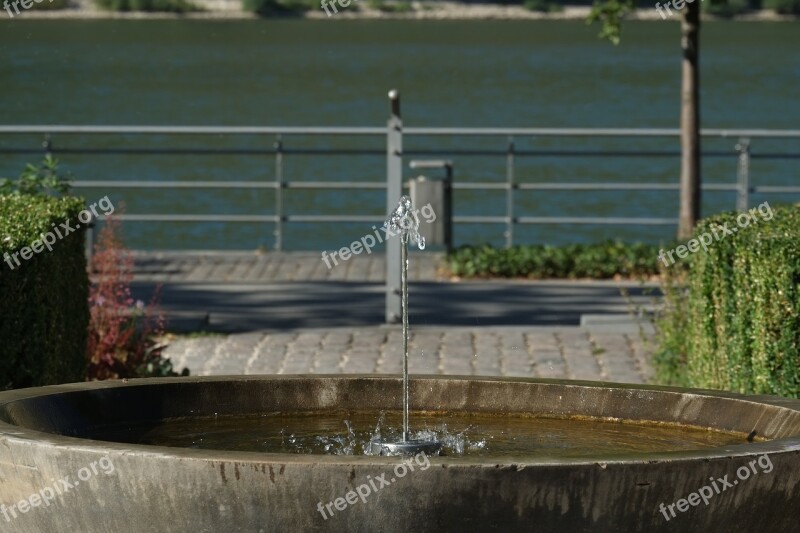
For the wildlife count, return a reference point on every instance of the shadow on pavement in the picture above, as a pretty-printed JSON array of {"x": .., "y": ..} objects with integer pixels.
[{"x": 234, "y": 307}]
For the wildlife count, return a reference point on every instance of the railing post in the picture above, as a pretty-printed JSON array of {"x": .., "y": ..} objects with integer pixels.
[
  {"x": 743, "y": 175},
  {"x": 90, "y": 235},
  {"x": 394, "y": 190},
  {"x": 47, "y": 144},
  {"x": 279, "y": 192},
  {"x": 510, "y": 193}
]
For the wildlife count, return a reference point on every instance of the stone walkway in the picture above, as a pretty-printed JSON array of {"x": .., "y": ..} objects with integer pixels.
[
  {"x": 562, "y": 352},
  {"x": 290, "y": 314}
]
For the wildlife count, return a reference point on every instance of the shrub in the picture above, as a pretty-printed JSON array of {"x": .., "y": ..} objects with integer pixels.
[
  {"x": 43, "y": 301},
  {"x": 543, "y": 6},
  {"x": 726, "y": 8},
  {"x": 742, "y": 310},
  {"x": 169, "y": 6},
  {"x": 38, "y": 180},
  {"x": 400, "y": 6},
  {"x": 122, "y": 333},
  {"x": 277, "y": 7},
  {"x": 786, "y": 7},
  {"x": 604, "y": 260},
  {"x": 51, "y": 5}
]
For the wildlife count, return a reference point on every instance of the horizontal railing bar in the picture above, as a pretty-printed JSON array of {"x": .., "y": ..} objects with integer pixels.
[
  {"x": 369, "y": 219},
  {"x": 597, "y": 186},
  {"x": 775, "y": 189},
  {"x": 339, "y": 130},
  {"x": 192, "y": 218},
  {"x": 375, "y": 220},
  {"x": 334, "y": 185},
  {"x": 565, "y": 220},
  {"x": 596, "y": 220},
  {"x": 601, "y": 132},
  {"x": 376, "y": 152},
  {"x": 194, "y": 130},
  {"x": 192, "y": 151},
  {"x": 591, "y": 186},
  {"x": 139, "y": 184},
  {"x": 480, "y": 219},
  {"x": 773, "y": 155},
  {"x": 150, "y": 184},
  {"x": 145, "y": 151},
  {"x": 134, "y": 184}
]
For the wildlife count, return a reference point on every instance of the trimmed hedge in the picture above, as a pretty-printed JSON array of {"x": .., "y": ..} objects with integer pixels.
[
  {"x": 601, "y": 260},
  {"x": 164, "y": 6},
  {"x": 44, "y": 310},
  {"x": 741, "y": 310}
]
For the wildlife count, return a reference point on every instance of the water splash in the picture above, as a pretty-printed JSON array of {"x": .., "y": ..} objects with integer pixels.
[{"x": 404, "y": 220}]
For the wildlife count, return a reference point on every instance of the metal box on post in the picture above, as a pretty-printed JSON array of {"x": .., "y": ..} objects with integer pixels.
[{"x": 437, "y": 193}]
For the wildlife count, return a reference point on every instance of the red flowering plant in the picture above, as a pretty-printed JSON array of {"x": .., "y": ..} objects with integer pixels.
[{"x": 123, "y": 333}]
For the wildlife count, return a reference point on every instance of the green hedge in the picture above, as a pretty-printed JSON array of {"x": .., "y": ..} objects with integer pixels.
[
  {"x": 167, "y": 6},
  {"x": 266, "y": 8},
  {"x": 601, "y": 260},
  {"x": 44, "y": 311},
  {"x": 739, "y": 317},
  {"x": 51, "y": 5},
  {"x": 783, "y": 6}
]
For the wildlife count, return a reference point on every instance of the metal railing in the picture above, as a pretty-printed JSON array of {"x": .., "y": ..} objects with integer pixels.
[
  {"x": 394, "y": 134},
  {"x": 742, "y": 150}
]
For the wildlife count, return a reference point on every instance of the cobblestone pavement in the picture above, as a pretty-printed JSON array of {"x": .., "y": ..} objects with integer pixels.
[{"x": 545, "y": 352}]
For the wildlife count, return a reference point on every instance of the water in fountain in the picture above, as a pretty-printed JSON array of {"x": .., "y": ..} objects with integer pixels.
[{"x": 352, "y": 432}]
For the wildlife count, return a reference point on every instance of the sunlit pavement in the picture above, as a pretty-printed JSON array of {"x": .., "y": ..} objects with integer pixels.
[{"x": 279, "y": 313}]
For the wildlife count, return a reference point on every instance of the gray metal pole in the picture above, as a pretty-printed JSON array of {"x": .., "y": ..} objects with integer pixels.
[
  {"x": 394, "y": 190},
  {"x": 510, "y": 193},
  {"x": 743, "y": 175},
  {"x": 279, "y": 184}
]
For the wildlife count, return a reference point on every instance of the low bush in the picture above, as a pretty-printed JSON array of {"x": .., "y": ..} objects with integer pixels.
[
  {"x": 266, "y": 8},
  {"x": 168, "y": 6},
  {"x": 604, "y": 260},
  {"x": 123, "y": 333},
  {"x": 726, "y": 8},
  {"x": 51, "y": 5},
  {"x": 785, "y": 7}
]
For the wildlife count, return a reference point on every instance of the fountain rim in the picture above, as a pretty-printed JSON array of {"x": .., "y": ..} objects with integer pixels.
[{"x": 20, "y": 434}]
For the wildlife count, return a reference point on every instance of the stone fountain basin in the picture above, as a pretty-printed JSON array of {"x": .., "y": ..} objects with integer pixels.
[{"x": 162, "y": 489}]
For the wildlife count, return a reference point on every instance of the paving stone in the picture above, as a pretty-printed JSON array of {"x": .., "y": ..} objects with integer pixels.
[{"x": 558, "y": 353}]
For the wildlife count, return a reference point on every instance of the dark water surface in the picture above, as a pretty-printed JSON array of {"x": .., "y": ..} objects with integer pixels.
[{"x": 450, "y": 73}]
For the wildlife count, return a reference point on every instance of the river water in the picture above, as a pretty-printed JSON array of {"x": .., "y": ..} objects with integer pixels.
[{"x": 450, "y": 73}]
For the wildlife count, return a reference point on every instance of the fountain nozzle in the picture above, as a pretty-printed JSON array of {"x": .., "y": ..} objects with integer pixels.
[{"x": 406, "y": 447}]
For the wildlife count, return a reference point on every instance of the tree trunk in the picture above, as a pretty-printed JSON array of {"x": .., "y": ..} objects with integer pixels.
[{"x": 690, "y": 120}]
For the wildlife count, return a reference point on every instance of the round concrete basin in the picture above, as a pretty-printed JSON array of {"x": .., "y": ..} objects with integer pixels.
[{"x": 54, "y": 476}]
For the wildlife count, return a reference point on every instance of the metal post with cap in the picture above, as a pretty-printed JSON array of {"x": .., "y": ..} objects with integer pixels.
[{"x": 394, "y": 190}]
